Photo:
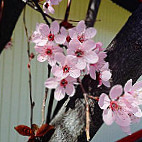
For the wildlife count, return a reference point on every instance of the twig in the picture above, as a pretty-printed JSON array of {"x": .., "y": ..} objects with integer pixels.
[
  {"x": 41, "y": 11},
  {"x": 67, "y": 10},
  {"x": 94, "y": 98},
  {"x": 87, "y": 111},
  {"x": 29, "y": 68}
]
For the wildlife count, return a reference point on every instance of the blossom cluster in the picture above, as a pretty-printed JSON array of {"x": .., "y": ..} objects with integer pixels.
[
  {"x": 48, "y": 6},
  {"x": 122, "y": 105},
  {"x": 71, "y": 53}
]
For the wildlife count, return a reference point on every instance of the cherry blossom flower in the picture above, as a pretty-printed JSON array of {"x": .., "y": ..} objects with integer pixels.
[
  {"x": 113, "y": 109},
  {"x": 105, "y": 75},
  {"x": 84, "y": 53},
  {"x": 8, "y": 45},
  {"x": 47, "y": 52},
  {"x": 43, "y": 34},
  {"x": 66, "y": 66},
  {"x": 61, "y": 86},
  {"x": 55, "y": 2},
  {"x": 47, "y": 7},
  {"x": 68, "y": 34},
  {"x": 134, "y": 90},
  {"x": 83, "y": 33},
  {"x": 93, "y": 68}
]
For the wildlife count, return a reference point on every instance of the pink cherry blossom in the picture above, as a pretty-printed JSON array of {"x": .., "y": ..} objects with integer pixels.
[
  {"x": 113, "y": 109},
  {"x": 68, "y": 34},
  {"x": 43, "y": 34},
  {"x": 93, "y": 68},
  {"x": 55, "y": 2},
  {"x": 83, "y": 33},
  {"x": 61, "y": 86},
  {"x": 47, "y": 7},
  {"x": 84, "y": 53},
  {"x": 47, "y": 52},
  {"x": 66, "y": 66},
  {"x": 135, "y": 90}
]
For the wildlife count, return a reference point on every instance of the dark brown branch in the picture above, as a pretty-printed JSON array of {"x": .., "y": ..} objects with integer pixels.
[{"x": 67, "y": 10}]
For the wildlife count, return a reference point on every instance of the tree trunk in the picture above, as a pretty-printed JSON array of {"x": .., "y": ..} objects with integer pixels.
[
  {"x": 11, "y": 12},
  {"x": 125, "y": 59}
]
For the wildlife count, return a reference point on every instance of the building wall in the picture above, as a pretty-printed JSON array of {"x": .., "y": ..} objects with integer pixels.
[{"x": 14, "y": 91}]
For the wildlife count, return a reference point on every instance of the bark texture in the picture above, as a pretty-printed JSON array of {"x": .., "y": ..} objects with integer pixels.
[
  {"x": 11, "y": 12},
  {"x": 125, "y": 58}
]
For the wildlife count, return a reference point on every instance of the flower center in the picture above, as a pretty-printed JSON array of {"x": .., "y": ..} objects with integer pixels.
[
  {"x": 49, "y": 52},
  {"x": 68, "y": 38},
  {"x": 50, "y": 37},
  {"x": 66, "y": 69},
  {"x": 79, "y": 53},
  {"x": 81, "y": 38},
  {"x": 46, "y": 5},
  {"x": 114, "y": 105},
  {"x": 63, "y": 82}
]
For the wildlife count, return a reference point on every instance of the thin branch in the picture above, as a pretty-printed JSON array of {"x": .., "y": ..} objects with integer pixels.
[
  {"x": 67, "y": 10},
  {"x": 29, "y": 68},
  {"x": 41, "y": 11},
  {"x": 87, "y": 111}
]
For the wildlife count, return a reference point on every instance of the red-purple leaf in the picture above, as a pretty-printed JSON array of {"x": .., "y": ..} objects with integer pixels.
[{"x": 24, "y": 130}]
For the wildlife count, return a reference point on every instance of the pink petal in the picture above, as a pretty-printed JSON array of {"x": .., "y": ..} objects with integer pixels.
[
  {"x": 81, "y": 64},
  {"x": 115, "y": 92},
  {"x": 138, "y": 113},
  {"x": 51, "y": 83},
  {"x": 60, "y": 39},
  {"x": 104, "y": 101},
  {"x": 80, "y": 28},
  {"x": 63, "y": 31},
  {"x": 105, "y": 75},
  {"x": 106, "y": 83},
  {"x": 128, "y": 86},
  {"x": 57, "y": 71},
  {"x": 54, "y": 27},
  {"x": 74, "y": 44},
  {"x": 71, "y": 79},
  {"x": 44, "y": 29},
  {"x": 52, "y": 61},
  {"x": 91, "y": 57},
  {"x": 122, "y": 118},
  {"x": 41, "y": 58},
  {"x": 75, "y": 73},
  {"x": 70, "y": 90},
  {"x": 88, "y": 45},
  {"x": 92, "y": 72},
  {"x": 60, "y": 58},
  {"x": 71, "y": 60},
  {"x": 90, "y": 33},
  {"x": 59, "y": 93},
  {"x": 51, "y": 9},
  {"x": 72, "y": 33},
  {"x": 137, "y": 86},
  {"x": 108, "y": 116}
]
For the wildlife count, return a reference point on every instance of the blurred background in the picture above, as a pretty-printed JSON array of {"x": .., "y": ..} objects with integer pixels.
[{"x": 14, "y": 90}]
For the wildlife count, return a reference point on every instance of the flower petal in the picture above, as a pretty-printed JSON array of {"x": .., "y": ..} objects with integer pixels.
[
  {"x": 54, "y": 27},
  {"x": 74, "y": 44},
  {"x": 91, "y": 57},
  {"x": 44, "y": 29},
  {"x": 90, "y": 33},
  {"x": 104, "y": 101},
  {"x": 60, "y": 39},
  {"x": 108, "y": 116},
  {"x": 115, "y": 92},
  {"x": 81, "y": 64},
  {"x": 60, "y": 58},
  {"x": 105, "y": 75},
  {"x": 88, "y": 45},
  {"x": 70, "y": 90},
  {"x": 128, "y": 86},
  {"x": 80, "y": 28},
  {"x": 41, "y": 58},
  {"x": 75, "y": 73},
  {"x": 57, "y": 71},
  {"x": 59, "y": 93},
  {"x": 51, "y": 83},
  {"x": 137, "y": 86}
]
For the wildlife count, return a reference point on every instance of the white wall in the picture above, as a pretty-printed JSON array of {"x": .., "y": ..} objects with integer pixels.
[{"x": 14, "y": 91}]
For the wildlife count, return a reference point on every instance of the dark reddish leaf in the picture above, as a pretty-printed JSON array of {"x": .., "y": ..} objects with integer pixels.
[
  {"x": 45, "y": 128},
  {"x": 24, "y": 130}
]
